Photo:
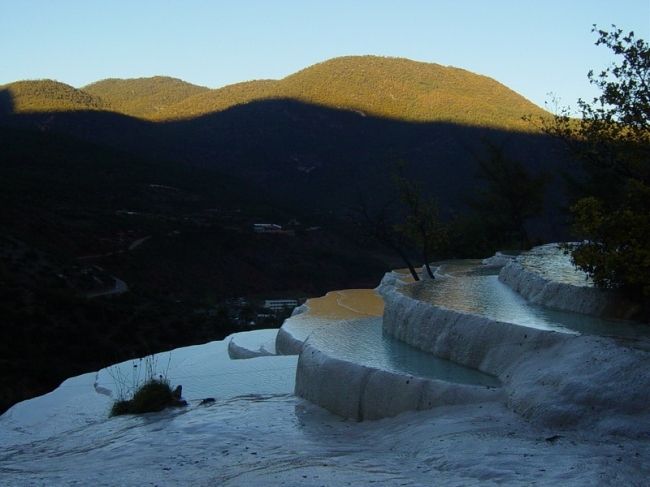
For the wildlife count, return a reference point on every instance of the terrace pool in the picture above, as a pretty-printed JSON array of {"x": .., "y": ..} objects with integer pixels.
[
  {"x": 470, "y": 287},
  {"x": 348, "y": 325}
]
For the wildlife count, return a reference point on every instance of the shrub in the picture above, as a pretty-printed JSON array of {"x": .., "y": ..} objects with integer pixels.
[
  {"x": 121, "y": 407},
  {"x": 152, "y": 396}
]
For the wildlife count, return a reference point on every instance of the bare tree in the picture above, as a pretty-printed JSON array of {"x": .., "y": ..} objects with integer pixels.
[
  {"x": 422, "y": 223},
  {"x": 378, "y": 224}
]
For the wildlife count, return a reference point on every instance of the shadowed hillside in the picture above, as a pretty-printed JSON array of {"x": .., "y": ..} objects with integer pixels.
[
  {"x": 76, "y": 215},
  {"x": 312, "y": 156}
]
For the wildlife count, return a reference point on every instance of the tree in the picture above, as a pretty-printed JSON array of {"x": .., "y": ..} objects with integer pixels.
[
  {"x": 406, "y": 223},
  {"x": 612, "y": 140},
  {"x": 422, "y": 224},
  {"x": 510, "y": 197},
  {"x": 378, "y": 224}
]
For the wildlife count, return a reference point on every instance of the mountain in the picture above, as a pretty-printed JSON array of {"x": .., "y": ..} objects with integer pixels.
[
  {"x": 48, "y": 95},
  {"x": 311, "y": 156},
  {"x": 321, "y": 137},
  {"x": 83, "y": 203},
  {"x": 318, "y": 139},
  {"x": 394, "y": 88},
  {"x": 223, "y": 98},
  {"x": 143, "y": 97}
]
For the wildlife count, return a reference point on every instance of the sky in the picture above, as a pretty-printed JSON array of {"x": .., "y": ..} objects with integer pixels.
[{"x": 541, "y": 49}]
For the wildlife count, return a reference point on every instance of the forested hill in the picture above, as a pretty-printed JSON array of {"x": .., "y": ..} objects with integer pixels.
[
  {"x": 143, "y": 97},
  {"x": 393, "y": 88},
  {"x": 47, "y": 95}
]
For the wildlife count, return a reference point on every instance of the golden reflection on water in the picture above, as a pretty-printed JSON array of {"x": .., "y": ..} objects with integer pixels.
[{"x": 350, "y": 303}]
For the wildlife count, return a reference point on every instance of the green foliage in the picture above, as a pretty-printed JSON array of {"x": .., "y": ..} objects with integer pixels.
[
  {"x": 153, "y": 396},
  {"x": 386, "y": 87},
  {"x": 613, "y": 141},
  {"x": 121, "y": 407},
  {"x": 617, "y": 253},
  {"x": 472, "y": 235}
]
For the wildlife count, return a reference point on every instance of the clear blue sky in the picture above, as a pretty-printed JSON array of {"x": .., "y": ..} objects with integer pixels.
[{"x": 533, "y": 46}]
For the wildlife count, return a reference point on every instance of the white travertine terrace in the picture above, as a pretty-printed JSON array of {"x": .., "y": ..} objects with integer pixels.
[
  {"x": 538, "y": 286},
  {"x": 354, "y": 390},
  {"x": 359, "y": 392},
  {"x": 245, "y": 344},
  {"x": 551, "y": 378}
]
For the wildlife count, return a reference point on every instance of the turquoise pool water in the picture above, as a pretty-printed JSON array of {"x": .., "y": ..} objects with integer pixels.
[
  {"x": 472, "y": 288},
  {"x": 358, "y": 337}
]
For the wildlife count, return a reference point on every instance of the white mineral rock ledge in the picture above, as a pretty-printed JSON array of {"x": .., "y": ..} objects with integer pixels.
[
  {"x": 563, "y": 296},
  {"x": 246, "y": 344},
  {"x": 360, "y": 392},
  {"x": 550, "y": 378}
]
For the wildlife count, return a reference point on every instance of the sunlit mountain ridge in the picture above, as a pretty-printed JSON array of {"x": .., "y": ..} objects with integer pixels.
[{"x": 385, "y": 87}]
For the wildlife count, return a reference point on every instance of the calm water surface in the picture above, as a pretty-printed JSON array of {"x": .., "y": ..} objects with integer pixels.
[
  {"x": 348, "y": 325},
  {"x": 471, "y": 288}
]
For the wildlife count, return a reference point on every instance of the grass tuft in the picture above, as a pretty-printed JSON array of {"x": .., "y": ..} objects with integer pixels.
[{"x": 152, "y": 396}]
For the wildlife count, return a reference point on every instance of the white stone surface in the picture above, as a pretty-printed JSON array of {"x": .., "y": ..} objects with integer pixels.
[
  {"x": 563, "y": 296},
  {"x": 361, "y": 393},
  {"x": 248, "y": 438},
  {"x": 286, "y": 343},
  {"x": 555, "y": 379},
  {"x": 499, "y": 259},
  {"x": 203, "y": 371},
  {"x": 280, "y": 440},
  {"x": 250, "y": 344},
  {"x": 475, "y": 341},
  {"x": 353, "y": 390},
  {"x": 207, "y": 371},
  {"x": 72, "y": 405}
]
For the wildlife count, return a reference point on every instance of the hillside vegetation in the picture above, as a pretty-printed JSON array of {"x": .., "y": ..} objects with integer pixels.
[
  {"x": 143, "y": 97},
  {"x": 375, "y": 86},
  {"x": 223, "y": 98},
  {"x": 409, "y": 90},
  {"x": 48, "y": 95}
]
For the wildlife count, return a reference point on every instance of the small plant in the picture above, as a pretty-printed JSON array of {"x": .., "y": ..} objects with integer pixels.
[
  {"x": 152, "y": 396},
  {"x": 148, "y": 394}
]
